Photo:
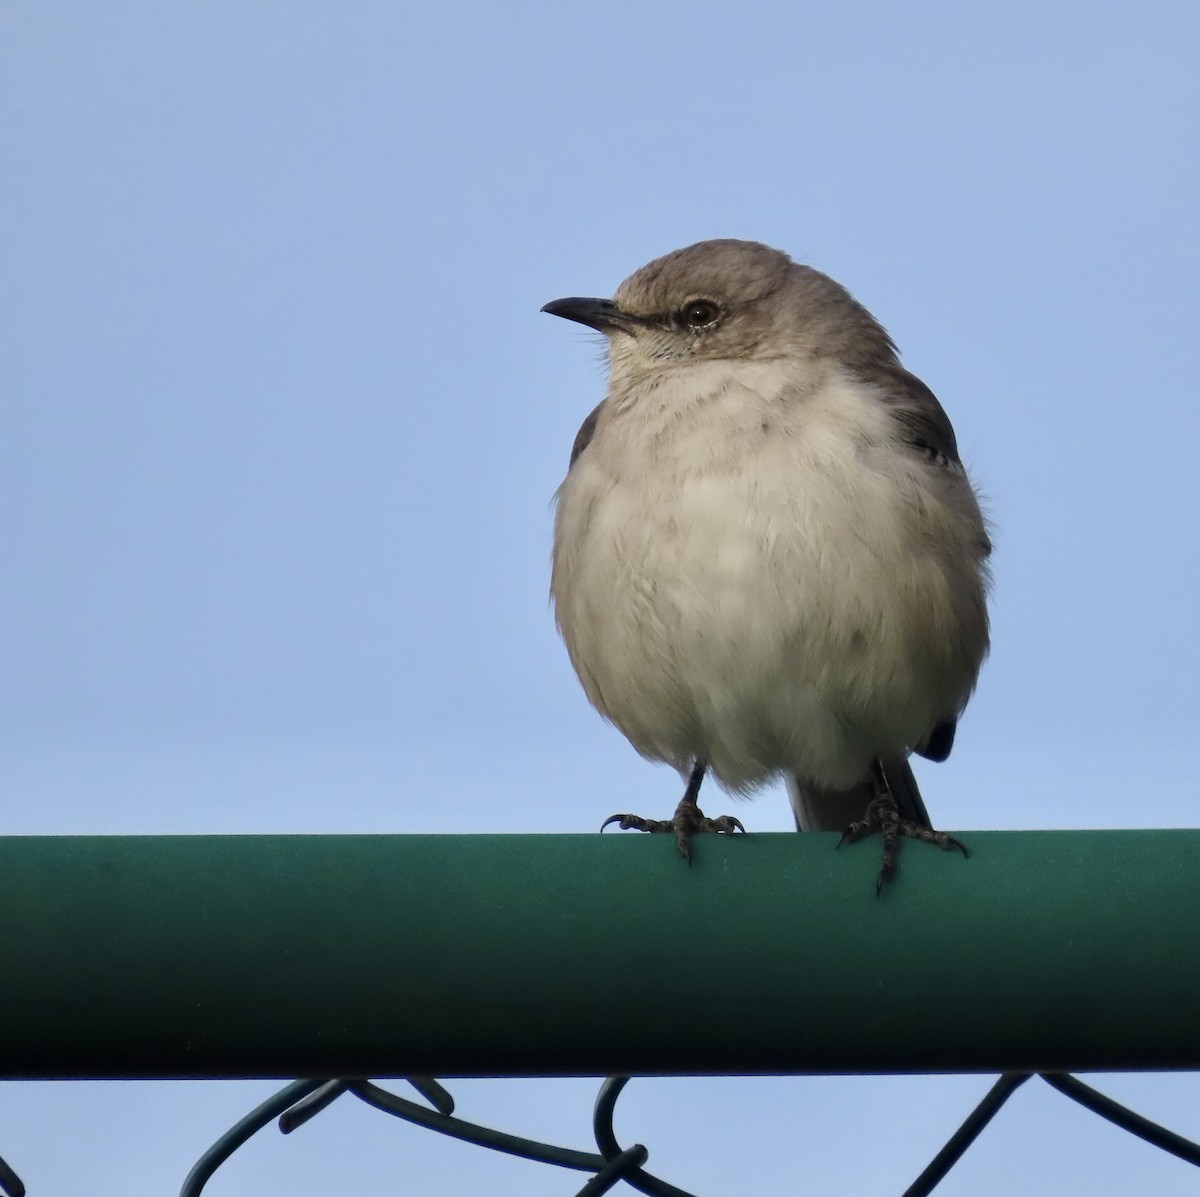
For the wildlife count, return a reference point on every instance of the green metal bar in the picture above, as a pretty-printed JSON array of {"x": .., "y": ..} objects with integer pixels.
[{"x": 351, "y": 956}]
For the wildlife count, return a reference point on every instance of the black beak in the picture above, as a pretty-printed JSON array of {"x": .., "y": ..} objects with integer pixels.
[{"x": 600, "y": 314}]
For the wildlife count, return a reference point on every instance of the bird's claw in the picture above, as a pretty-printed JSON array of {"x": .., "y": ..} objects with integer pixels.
[
  {"x": 637, "y": 823},
  {"x": 882, "y": 815},
  {"x": 687, "y": 821}
]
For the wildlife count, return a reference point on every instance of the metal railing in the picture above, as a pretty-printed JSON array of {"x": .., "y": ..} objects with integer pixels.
[{"x": 423, "y": 956}]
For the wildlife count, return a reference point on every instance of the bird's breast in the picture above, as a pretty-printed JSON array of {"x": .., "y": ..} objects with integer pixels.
[{"x": 733, "y": 570}]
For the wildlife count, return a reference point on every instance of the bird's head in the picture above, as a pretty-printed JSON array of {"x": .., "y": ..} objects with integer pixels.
[{"x": 722, "y": 300}]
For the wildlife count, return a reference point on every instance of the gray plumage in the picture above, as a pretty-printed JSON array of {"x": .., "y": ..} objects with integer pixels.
[{"x": 768, "y": 557}]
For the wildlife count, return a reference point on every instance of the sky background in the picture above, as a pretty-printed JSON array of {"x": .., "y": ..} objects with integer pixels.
[{"x": 281, "y": 422}]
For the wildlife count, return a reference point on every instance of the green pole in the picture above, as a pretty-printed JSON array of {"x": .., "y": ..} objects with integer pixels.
[{"x": 345, "y": 956}]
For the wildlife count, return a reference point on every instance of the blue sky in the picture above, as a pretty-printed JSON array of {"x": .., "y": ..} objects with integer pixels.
[{"x": 282, "y": 420}]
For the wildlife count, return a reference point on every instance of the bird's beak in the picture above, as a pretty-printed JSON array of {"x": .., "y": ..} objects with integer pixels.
[{"x": 600, "y": 314}]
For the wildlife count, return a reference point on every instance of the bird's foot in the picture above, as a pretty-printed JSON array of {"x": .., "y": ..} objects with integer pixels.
[
  {"x": 687, "y": 821},
  {"x": 883, "y": 815}
]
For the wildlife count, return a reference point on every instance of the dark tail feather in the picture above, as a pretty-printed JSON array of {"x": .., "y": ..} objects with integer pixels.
[
  {"x": 834, "y": 810},
  {"x": 903, "y": 785}
]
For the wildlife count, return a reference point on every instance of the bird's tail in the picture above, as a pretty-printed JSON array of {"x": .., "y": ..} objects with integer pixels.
[{"x": 834, "y": 810}]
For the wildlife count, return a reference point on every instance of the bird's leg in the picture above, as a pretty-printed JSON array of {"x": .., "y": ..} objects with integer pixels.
[
  {"x": 883, "y": 815},
  {"x": 687, "y": 820}
]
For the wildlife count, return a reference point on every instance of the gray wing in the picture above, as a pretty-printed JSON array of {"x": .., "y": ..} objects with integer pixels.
[
  {"x": 927, "y": 430},
  {"x": 936, "y": 746},
  {"x": 926, "y": 427},
  {"x": 586, "y": 431}
]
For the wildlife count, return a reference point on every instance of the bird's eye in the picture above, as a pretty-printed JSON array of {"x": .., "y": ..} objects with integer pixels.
[{"x": 699, "y": 313}]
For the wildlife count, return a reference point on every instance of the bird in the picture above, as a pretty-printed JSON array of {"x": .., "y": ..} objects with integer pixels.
[{"x": 768, "y": 558}]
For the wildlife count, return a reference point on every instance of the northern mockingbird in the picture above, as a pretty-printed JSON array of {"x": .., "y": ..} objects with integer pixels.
[{"x": 768, "y": 558}]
